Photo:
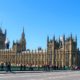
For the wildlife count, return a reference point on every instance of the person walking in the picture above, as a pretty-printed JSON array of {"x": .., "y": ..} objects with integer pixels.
[
  {"x": 21, "y": 67},
  {"x": 2, "y": 66},
  {"x": 6, "y": 66},
  {"x": 9, "y": 66}
]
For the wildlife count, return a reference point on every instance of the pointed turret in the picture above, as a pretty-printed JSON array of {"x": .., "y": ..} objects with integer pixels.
[
  {"x": 23, "y": 41},
  {"x": 75, "y": 38},
  {"x": 2, "y": 39},
  {"x": 47, "y": 39},
  {"x": 1, "y": 30},
  {"x": 63, "y": 37},
  {"x": 7, "y": 42},
  {"x": 63, "y": 40},
  {"x": 13, "y": 42},
  {"x": 59, "y": 39},
  {"x": 5, "y": 33},
  {"x": 54, "y": 38},
  {"x": 71, "y": 36},
  {"x": 23, "y": 34},
  {"x": 76, "y": 41},
  {"x": 60, "y": 43}
]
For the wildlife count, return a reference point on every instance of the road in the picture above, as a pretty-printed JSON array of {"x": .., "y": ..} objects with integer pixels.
[{"x": 56, "y": 75}]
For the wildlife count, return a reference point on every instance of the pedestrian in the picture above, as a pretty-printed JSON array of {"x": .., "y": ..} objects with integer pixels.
[
  {"x": 24, "y": 67},
  {"x": 21, "y": 66},
  {"x": 9, "y": 66},
  {"x": 6, "y": 64},
  {"x": 2, "y": 66}
]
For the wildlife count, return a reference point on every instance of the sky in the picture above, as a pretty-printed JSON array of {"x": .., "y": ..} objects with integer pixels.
[{"x": 40, "y": 18}]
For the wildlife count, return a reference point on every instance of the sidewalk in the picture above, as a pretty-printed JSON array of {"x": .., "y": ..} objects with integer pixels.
[
  {"x": 4, "y": 72},
  {"x": 14, "y": 72}
]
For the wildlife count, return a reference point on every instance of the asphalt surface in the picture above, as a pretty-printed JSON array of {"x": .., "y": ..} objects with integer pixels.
[{"x": 40, "y": 75}]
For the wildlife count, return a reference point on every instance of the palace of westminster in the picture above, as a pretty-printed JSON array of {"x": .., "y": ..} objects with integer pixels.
[{"x": 61, "y": 52}]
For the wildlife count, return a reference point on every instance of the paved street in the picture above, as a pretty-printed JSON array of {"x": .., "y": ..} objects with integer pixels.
[{"x": 57, "y": 75}]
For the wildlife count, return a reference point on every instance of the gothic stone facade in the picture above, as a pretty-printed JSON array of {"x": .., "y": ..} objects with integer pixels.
[{"x": 62, "y": 52}]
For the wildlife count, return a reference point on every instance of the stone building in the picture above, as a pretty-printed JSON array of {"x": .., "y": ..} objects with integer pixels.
[
  {"x": 2, "y": 39},
  {"x": 61, "y": 52}
]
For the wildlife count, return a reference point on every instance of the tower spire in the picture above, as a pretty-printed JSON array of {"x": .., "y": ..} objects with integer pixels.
[
  {"x": 5, "y": 32},
  {"x": 23, "y": 29},
  {"x": 23, "y": 41},
  {"x": 71, "y": 35},
  {"x": 76, "y": 38},
  {"x": 23, "y": 33},
  {"x": 54, "y": 38},
  {"x": 47, "y": 39}
]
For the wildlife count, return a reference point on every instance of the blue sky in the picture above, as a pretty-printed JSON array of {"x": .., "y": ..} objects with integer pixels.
[{"x": 40, "y": 18}]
